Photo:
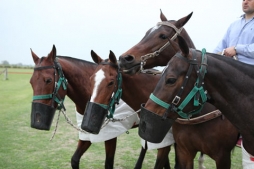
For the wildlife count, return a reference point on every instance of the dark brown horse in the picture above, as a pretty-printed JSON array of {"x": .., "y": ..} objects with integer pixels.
[
  {"x": 49, "y": 82},
  {"x": 216, "y": 137},
  {"x": 229, "y": 83}
]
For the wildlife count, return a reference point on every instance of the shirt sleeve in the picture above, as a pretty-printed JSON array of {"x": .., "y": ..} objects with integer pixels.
[{"x": 246, "y": 50}]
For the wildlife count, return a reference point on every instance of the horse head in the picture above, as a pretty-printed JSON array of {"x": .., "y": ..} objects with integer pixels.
[
  {"x": 154, "y": 49},
  {"x": 102, "y": 101},
  {"x": 179, "y": 92},
  {"x": 105, "y": 75},
  {"x": 49, "y": 90}
]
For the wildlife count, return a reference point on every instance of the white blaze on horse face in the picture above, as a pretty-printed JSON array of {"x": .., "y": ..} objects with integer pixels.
[
  {"x": 99, "y": 76},
  {"x": 154, "y": 28}
]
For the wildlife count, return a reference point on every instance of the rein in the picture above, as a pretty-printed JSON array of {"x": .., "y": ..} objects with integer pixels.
[
  {"x": 117, "y": 94},
  {"x": 200, "y": 119},
  {"x": 196, "y": 93},
  {"x": 144, "y": 58},
  {"x": 68, "y": 120},
  {"x": 61, "y": 81}
]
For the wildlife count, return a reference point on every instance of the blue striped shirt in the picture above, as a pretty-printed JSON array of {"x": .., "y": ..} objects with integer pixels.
[{"x": 241, "y": 35}]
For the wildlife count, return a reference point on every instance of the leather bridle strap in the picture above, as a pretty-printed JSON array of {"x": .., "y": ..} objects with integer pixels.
[{"x": 178, "y": 31}]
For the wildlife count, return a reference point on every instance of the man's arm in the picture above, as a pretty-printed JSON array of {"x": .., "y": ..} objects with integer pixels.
[{"x": 246, "y": 50}]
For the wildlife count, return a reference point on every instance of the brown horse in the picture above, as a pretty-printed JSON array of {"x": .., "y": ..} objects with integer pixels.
[
  {"x": 104, "y": 98},
  {"x": 154, "y": 48},
  {"x": 230, "y": 91},
  {"x": 51, "y": 75},
  {"x": 216, "y": 137}
]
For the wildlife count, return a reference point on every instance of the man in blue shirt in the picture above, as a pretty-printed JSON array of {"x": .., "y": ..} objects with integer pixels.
[
  {"x": 239, "y": 38},
  {"x": 239, "y": 41}
]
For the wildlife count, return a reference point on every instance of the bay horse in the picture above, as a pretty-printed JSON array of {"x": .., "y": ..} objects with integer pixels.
[
  {"x": 51, "y": 75},
  {"x": 216, "y": 137},
  {"x": 154, "y": 49},
  {"x": 228, "y": 83}
]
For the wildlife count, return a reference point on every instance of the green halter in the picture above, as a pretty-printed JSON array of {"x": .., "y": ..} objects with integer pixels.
[
  {"x": 196, "y": 93},
  {"x": 61, "y": 81}
]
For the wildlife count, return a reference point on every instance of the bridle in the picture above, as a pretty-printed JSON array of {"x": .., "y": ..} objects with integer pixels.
[
  {"x": 196, "y": 93},
  {"x": 62, "y": 81},
  {"x": 144, "y": 58},
  {"x": 153, "y": 127}
]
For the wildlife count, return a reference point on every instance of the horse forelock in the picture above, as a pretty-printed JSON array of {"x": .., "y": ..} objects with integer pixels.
[
  {"x": 172, "y": 21},
  {"x": 154, "y": 28},
  {"x": 41, "y": 61},
  {"x": 42, "y": 58},
  {"x": 98, "y": 78},
  {"x": 158, "y": 26}
]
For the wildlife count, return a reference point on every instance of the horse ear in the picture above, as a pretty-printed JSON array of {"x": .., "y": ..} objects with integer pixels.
[
  {"x": 96, "y": 58},
  {"x": 112, "y": 57},
  {"x": 174, "y": 44},
  {"x": 35, "y": 57},
  {"x": 52, "y": 54},
  {"x": 162, "y": 16},
  {"x": 183, "y": 46},
  {"x": 181, "y": 22}
]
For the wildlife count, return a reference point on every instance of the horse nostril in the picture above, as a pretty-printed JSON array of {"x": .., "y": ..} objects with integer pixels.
[{"x": 129, "y": 58}]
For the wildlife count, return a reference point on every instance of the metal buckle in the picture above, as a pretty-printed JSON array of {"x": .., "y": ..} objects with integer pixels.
[{"x": 176, "y": 100}]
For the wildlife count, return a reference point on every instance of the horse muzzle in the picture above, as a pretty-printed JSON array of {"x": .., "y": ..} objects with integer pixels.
[
  {"x": 152, "y": 127},
  {"x": 94, "y": 117},
  {"x": 42, "y": 116}
]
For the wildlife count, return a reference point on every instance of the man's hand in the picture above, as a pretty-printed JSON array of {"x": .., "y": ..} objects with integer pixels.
[{"x": 230, "y": 52}]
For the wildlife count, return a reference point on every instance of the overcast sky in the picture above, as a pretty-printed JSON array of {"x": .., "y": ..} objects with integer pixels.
[{"x": 78, "y": 26}]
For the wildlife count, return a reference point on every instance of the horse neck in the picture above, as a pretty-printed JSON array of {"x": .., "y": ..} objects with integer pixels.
[
  {"x": 137, "y": 88},
  {"x": 78, "y": 76},
  {"x": 187, "y": 38},
  {"x": 231, "y": 86}
]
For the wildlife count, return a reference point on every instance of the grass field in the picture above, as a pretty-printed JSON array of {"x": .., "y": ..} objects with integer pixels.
[{"x": 22, "y": 147}]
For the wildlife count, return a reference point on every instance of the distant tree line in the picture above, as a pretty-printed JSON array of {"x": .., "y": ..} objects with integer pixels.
[{"x": 5, "y": 64}]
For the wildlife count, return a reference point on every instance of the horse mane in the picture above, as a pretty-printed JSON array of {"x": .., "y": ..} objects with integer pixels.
[
  {"x": 76, "y": 60},
  {"x": 172, "y": 21},
  {"x": 244, "y": 68}
]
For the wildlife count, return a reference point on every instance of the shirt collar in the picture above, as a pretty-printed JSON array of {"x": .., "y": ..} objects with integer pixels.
[{"x": 243, "y": 16}]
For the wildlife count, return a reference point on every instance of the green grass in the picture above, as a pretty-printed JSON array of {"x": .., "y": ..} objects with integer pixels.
[{"x": 23, "y": 147}]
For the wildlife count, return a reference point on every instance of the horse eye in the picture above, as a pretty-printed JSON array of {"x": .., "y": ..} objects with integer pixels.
[
  {"x": 110, "y": 84},
  {"x": 162, "y": 36},
  {"x": 171, "y": 81},
  {"x": 48, "y": 81}
]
